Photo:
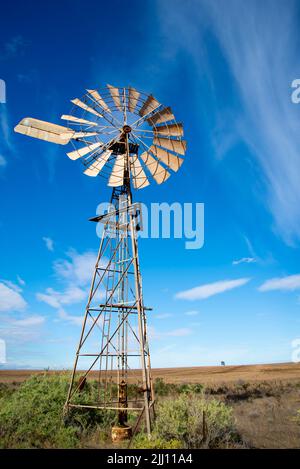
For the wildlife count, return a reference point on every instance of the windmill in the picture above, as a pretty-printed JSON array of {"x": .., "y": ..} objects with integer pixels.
[{"x": 130, "y": 139}]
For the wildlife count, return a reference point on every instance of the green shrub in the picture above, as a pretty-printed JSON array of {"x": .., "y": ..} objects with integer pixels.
[
  {"x": 193, "y": 421},
  {"x": 32, "y": 416},
  {"x": 190, "y": 388},
  {"x": 141, "y": 441}
]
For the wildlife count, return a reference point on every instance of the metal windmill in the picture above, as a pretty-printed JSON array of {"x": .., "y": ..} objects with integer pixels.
[{"x": 129, "y": 138}]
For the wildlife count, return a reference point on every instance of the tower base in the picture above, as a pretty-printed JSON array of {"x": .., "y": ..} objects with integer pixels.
[{"x": 121, "y": 433}]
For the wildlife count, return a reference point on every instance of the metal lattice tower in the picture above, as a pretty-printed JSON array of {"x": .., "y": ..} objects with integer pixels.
[
  {"x": 129, "y": 138},
  {"x": 117, "y": 326}
]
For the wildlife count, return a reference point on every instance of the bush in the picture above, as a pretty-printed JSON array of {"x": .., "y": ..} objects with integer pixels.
[
  {"x": 141, "y": 441},
  {"x": 32, "y": 416},
  {"x": 194, "y": 422}
]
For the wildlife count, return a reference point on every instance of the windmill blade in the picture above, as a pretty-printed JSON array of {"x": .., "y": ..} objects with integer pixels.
[
  {"x": 96, "y": 96},
  {"x": 76, "y": 135},
  {"x": 149, "y": 105},
  {"x": 159, "y": 173},
  {"x": 79, "y": 103},
  {"x": 77, "y": 120},
  {"x": 171, "y": 130},
  {"x": 117, "y": 175},
  {"x": 132, "y": 99},
  {"x": 164, "y": 115},
  {"x": 178, "y": 146},
  {"x": 139, "y": 177},
  {"x": 74, "y": 155},
  {"x": 44, "y": 131},
  {"x": 170, "y": 160},
  {"x": 95, "y": 168},
  {"x": 114, "y": 92}
]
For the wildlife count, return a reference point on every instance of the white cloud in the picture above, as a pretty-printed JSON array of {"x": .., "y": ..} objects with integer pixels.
[
  {"x": 70, "y": 295},
  {"x": 3, "y": 161},
  {"x": 6, "y": 132},
  {"x": 179, "y": 332},
  {"x": 289, "y": 283},
  {"x": 163, "y": 316},
  {"x": 78, "y": 268},
  {"x": 49, "y": 243},
  {"x": 19, "y": 331},
  {"x": 247, "y": 260},
  {"x": 11, "y": 298},
  {"x": 262, "y": 115},
  {"x": 191, "y": 313},
  {"x": 76, "y": 320},
  {"x": 20, "y": 280},
  {"x": 75, "y": 273},
  {"x": 14, "y": 46},
  {"x": 210, "y": 289},
  {"x": 158, "y": 334},
  {"x": 29, "y": 321}
]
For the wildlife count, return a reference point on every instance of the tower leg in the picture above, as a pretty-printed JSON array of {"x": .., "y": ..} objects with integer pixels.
[{"x": 146, "y": 384}]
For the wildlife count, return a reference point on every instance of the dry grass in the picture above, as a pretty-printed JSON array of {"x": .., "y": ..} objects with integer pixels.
[{"x": 202, "y": 374}]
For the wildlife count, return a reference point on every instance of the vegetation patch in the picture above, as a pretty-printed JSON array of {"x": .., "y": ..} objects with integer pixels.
[
  {"x": 191, "y": 422},
  {"x": 31, "y": 416}
]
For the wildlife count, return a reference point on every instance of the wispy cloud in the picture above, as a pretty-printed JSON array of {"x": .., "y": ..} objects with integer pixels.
[
  {"x": 23, "y": 330},
  {"x": 262, "y": 114},
  {"x": 70, "y": 295},
  {"x": 11, "y": 298},
  {"x": 77, "y": 268},
  {"x": 49, "y": 243},
  {"x": 16, "y": 45},
  {"x": 29, "y": 321},
  {"x": 6, "y": 144},
  {"x": 74, "y": 273},
  {"x": 191, "y": 313},
  {"x": 3, "y": 161},
  {"x": 158, "y": 334},
  {"x": 20, "y": 280},
  {"x": 163, "y": 316},
  {"x": 289, "y": 283},
  {"x": 210, "y": 289},
  {"x": 244, "y": 260}
]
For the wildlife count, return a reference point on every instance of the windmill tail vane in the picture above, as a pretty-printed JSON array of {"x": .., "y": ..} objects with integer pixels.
[{"x": 131, "y": 140}]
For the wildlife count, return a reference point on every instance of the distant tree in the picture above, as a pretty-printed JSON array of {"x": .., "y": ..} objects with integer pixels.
[{"x": 222, "y": 363}]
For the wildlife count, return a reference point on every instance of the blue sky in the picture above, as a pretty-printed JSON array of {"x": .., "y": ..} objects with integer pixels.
[{"x": 226, "y": 69}]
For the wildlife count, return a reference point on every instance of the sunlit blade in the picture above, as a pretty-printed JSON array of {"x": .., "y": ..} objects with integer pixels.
[
  {"x": 117, "y": 175},
  {"x": 114, "y": 92},
  {"x": 178, "y": 146},
  {"x": 79, "y": 103},
  {"x": 74, "y": 155},
  {"x": 95, "y": 168},
  {"x": 76, "y": 119},
  {"x": 172, "y": 130},
  {"x": 150, "y": 104},
  {"x": 83, "y": 134},
  {"x": 172, "y": 161},
  {"x": 164, "y": 115},
  {"x": 139, "y": 177},
  {"x": 133, "y": 99},
  {"x": 44, "y": 131},
  {"x": 96, "y": 96},
  {"x": 159, "y": 173}
]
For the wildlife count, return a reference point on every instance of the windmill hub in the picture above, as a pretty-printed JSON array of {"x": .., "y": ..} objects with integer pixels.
[{"x": 127, "y": 129}]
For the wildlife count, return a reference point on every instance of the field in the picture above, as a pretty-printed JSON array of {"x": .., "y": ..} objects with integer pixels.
[
  {"x": 264, "y": 399},
  {"x": 204, "y": 375}
]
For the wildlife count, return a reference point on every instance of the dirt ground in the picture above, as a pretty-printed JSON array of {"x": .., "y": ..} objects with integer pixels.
[{"x": 201, "y": 374}]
